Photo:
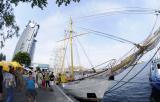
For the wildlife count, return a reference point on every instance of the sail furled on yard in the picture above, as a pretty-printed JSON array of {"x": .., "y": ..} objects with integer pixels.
[
  {"x": 147, "y": 45},
  {"x": 150, "y": 43}
]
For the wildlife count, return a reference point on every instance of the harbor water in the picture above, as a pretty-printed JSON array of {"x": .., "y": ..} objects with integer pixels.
[{"x": 139, "y": 90}]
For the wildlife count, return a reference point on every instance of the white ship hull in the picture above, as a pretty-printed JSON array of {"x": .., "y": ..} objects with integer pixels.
[{"x": 80, "y": 89}]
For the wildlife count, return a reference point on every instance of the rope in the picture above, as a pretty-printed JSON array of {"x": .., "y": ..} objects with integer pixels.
[
  {"x": 64, "y": 53},
  {"x": 125, "y": 74},
  {"x": 74, "y": 36},
  {"x": 154, "y": 23},
  {"x": 77, "y": 53},
  {"x": 136, "y": 73},
  {"x": 153, "y": 27},
  {"x": 137, "y": 82},
  {"x": 137, "y": 60},
  {"x": 109, "y": 36},
  {"x": 132, "y": 49},
  {"x": 139, "y": 57},
  {"x": 134, "y": 10},
  {"x": 103, "y": 63},
  {"x": 85, "y": 52}
]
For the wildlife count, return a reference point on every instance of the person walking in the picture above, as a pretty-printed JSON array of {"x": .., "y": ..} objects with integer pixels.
[
  {"x": 30, "y": 88},
  {"x": 52, "y": 78},
  {"x": 43, "y": 80},
  {"x": 47, "y": 79},
  {"x": 39, "y": 79},
  {"x": 10, "y": 84},
  {"x": 19, "y": 79},
  {"x": 1, "y": 83}
]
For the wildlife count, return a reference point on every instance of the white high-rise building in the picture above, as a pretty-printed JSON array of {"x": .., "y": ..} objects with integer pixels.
[{"x": 27, "y": 40}]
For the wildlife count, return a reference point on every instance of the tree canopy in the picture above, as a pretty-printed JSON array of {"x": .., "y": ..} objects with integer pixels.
[
  {"x": 8, "y": 26},
  {"x": 22, "y": 58},
  {"x": 2, "y": 57},
  {"x": 65, "y": 2}
]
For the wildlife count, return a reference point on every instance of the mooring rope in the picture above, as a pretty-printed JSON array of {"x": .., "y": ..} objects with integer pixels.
[{"x": 135, "y": 74}]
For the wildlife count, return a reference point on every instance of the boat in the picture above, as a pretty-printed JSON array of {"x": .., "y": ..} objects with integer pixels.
[
  {"x": 155, "y": 74},
  {"x": 96, "y": 83}
]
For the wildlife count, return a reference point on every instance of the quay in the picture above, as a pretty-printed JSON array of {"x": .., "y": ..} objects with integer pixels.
[{"x": 45, "y": 95}]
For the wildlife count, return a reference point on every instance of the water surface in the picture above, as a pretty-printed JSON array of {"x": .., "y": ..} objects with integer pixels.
[{"x": 134, "y": 92}]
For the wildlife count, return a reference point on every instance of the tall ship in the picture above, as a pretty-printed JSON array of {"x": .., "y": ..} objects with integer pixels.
[{"x": 93, "y": 83}]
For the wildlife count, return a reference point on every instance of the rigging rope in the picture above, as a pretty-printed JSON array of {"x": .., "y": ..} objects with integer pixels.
[
  {"x": 138, "y": 82},
  {"x": 138, "y": 58},
  {"x": 77, "y": 53},
  {"x": 153, "y": 26},
  {"x": 127, "y": 10},
  {"x": 103, "y": 63},
  {"x": 135, "y": 74},
  {"x": 65, "y": 50},
  {"x": 119, "y": 12},
  {"x": 85, "y": 52},
  {"x": 133, "y": 49},
  {"x": 126, "y": 74},
  {"x": 110, "y": 36},
  {"x": 74, "y": 36}
]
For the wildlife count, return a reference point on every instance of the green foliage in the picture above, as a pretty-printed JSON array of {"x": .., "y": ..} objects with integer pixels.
[
  {"x": 2, "y": 57},
  {"x": 22, "y": 58},
  {"x": 39, "y": 3},
  {"x": 38, "y": 69},
  {"x": 65, "y": 2}
]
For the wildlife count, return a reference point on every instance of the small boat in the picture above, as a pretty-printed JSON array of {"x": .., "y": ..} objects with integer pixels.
[{"x": 155, "y": 74}]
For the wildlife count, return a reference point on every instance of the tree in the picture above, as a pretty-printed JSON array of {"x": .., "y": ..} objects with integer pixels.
[
  {"x": 38, "y": 68},
  {"x": 66, "y": 2},
  {"x": 2, "y": 57},
  {"x": 8, "y": 26},
  {"x": 22, "y": 58}
]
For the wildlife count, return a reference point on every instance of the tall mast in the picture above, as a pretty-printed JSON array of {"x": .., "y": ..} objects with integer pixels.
[
  {"x": 63, "y": 49},
  {"x": 71, "y": 31}
]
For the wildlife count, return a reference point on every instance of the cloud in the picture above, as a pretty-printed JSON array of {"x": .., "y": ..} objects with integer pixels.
[
  {"x": 97, "y": 54},
  {"x": 50, "y": 32},
  {"x": 53, "y": 26},
  {"x": 53, "y": 21}
]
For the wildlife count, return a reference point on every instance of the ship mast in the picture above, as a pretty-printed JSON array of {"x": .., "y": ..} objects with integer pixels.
[{"x": 71, "y": 48}]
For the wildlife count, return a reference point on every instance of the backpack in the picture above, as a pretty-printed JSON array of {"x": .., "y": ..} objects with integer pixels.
[{"x": 10, "y": 81}]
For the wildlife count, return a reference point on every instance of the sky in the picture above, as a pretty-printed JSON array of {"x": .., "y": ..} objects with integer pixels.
[{"x": 54, "y": 20}]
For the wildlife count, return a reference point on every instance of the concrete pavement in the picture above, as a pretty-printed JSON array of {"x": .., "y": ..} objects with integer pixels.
[{"x": 45, "y": 95}]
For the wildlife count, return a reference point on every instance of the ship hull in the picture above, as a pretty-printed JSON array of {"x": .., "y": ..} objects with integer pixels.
[{"x": 87, "y": 88}]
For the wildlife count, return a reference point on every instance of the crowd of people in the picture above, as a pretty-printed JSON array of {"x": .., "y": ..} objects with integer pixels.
[{"x": 19, "y": 79}]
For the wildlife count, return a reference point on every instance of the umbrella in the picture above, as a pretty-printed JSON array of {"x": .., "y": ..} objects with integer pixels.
[
  {"x": 5, "y": 66},
  {"x": 15, "y": 65}
]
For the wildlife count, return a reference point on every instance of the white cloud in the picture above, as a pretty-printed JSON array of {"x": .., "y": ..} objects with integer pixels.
[{"x": 50, "y": 32}]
